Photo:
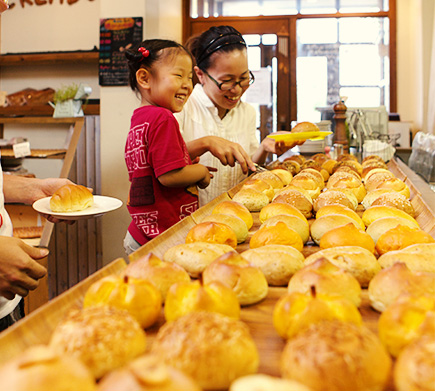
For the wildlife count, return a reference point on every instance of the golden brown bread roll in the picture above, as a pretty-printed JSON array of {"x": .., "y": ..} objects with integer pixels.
[
  {"x": 259, "y": 185},
  {"x": 279, "y": 233},
  {"x": 391, "y": 282},
  {"x": 270, "y": 178},
  {"x": 328, "y": 165},
  {"x": 328, "y": 222},
  {"x": 346, "y": 156},
  {"x": 310, "y": 194},
  {"x": 384, "y": 224},
  {"x": 297, "y": 158},
  {"x": 147, "y": 373},
  {"x": 294, "y": 222},
  {"x": 261, "y": 382},
  {"x": 211, "y": 348},
  {"x": 337, "y": 356},
  {"x": 334, "y": 197},
  {"x": 212, "y": 232},
  {"x": 39, "y": 368},
  {"x": 103, "y": 338},
  {"x": 396, "y": 200},
  {"x": 340, "y": 209},
  {"x": 297, "y": 199},
  {"x": 285, "y": 175},
  {"x": 375, "y": 176},
  {"x": 161, "y": 273},
  {"x": 71, "y": 198},
  {"x": 306, "y": 182},
  {"x": 304, "y": 126},
  {"x": 320, "y": 158},
  {"x": 371, "y": 165},
  {"x": 280, "y": 208},
  {"x": 235, "y": 209},
  {"x": 195, "y": 257},
  {"x": 394, "y": 184},
  {"x": 235, "y": 223},
  {"x": 291, "y": 166},
  {"x": 372, "y": 157},
  {"x": 347, "y": 235},
  {"x": 418, "y": 257},
  {"x": 358, "y": 261},
  {"x": 277, "y": 262},
  {"x": 377, "y": 212},
  {"x": 341, "y": 181},
  {"x": 414, "y": 368},
  {"x": 248, "y": 282},
  {"x": 316, "y": 175},
  {"x": 371, "y": 196},
  {"x": 252, "y": 199},
  {"x": 326, "y": 278}
]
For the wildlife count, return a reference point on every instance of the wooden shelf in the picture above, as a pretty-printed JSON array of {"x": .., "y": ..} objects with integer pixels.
[
  {"x": 51, "y": 58},
  {"x": 42, "y": 110}
]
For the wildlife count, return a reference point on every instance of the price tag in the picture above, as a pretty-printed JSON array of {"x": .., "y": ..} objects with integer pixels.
[{"x": 21, "y": 149}]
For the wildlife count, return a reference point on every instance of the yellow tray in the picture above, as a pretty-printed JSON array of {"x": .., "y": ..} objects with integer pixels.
[{"x": 317, "y": 135}]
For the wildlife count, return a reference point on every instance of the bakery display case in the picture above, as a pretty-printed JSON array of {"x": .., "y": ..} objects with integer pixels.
[{"x": 38, "y": 327}]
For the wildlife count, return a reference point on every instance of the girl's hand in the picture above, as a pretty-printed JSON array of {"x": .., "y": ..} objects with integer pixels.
[{"x": 205, "y": 181}]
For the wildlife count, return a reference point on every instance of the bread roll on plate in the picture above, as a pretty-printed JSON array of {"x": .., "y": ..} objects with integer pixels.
[
  {"x": 235, "y": 209},
  {"x": 260, "y": 382},
  {"x": 395, "y": 280},
  {"x": 103, "y": 338},
  {"x": 347, "y": 235},
  {"x": 235, "y": 223},
  {"x": 384, "y": 224},
  {"x": 39, "y": 368},
  {"x": 253, "y": 200},
  {"x": 334, "y": 197},
  {"x": 212, "y": 232},
  {"x": 261, "y": 186},
  {"x": 279, "y": 233},
  {"x": 302, "y": 127},
  {"x": 358, "y": 261},
  {"x": 247, "y": 281},
  {"x": 328, "y": 222},
  {"x": 71, "y": 198},
  {"x": 211, "y": 348},
  {"x": 377, "y": 212},
  {"x": 195, "y": 257},
  {"x": 147, "y": 373},
  {"x": 327, "y": 279},
  {"x": 341, "y": 210},
  {"x": 297, "y": 199},
  {"x": 277, "y": 262},
  {"x": 418, "y": 257},
  {"x": 401, "y": 236},
  {"x": 294, "y": 222},
  {"x": 414, "y": 368},
  {"x": 337, "y": 356},
  {"x": 280, "y": 208}
]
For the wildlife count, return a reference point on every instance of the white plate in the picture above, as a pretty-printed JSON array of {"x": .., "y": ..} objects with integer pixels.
[{"x": 102, "y": 205}]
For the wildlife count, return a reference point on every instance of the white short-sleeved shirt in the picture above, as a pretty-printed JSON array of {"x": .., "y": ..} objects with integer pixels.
[
  {"x": 200, "y": 118},
  {"x": 6, "y": 306}
]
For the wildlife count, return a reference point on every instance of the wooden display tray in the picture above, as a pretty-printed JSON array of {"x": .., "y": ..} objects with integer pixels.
[{"x": 37, "y": 327}]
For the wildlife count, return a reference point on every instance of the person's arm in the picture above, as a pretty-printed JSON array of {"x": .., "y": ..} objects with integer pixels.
[
  {"x": 269, "y": 145},
  {"x": 186, "y": 176},
  {"x": 19, "y": 271},
  {"x": 226, "y": 151}
]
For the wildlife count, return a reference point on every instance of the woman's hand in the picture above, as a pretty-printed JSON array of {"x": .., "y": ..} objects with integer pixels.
[{"x": 277, "y": 147}]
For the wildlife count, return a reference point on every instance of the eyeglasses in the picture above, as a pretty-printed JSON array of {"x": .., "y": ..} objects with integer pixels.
[{"x": 229, "y": 85}]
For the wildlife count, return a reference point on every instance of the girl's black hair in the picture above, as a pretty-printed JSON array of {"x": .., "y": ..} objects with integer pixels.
[
  {"x": 215, "y": 39},
  {"x": 154, "y": 47}
]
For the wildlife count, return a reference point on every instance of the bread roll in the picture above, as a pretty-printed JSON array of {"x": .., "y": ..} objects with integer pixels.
[
  {"x": 347, "y": 156},
  {"x": 195, "y": 257},
  {"x": 269, "y": 177},
  {"x": 248, "y": 282},
  {"x": 347, "y": 235},
  {"x": 328, "y": 222},
  {"x": 337, "y": 356},
  {"x": 372, "y": 157},
  {"x": 334, "y": 197},
  {"x": 371, "y": 165},
  {"x": 235, "y": 209},
  {"x": 294, "y": 222},
  {"x": 358, "y": 261},
  {"x": 147, "y": 373},
  {"x": 384, "y": 224},
  {"x": 291, "y": 166},
  {"x": 374, "y": 177},
  {"x": 371, "y": 196},
  {"x": 394, "y": 184},
  {"x": 328, "y": 165},
  {"x": 304, "y": 126},
  {"x": 285, "y": 175},
  {"x": 297, "y": 199},
  {"x": 39, "y": 368},
  {"x": 308, "y": 182},
  {"x": 321, "y": 174},
  {"x": 161, "y": 273},
  {"x": 309, "y": 194},
  {"x": 341, "y": 210},
  {"x": 396, "y": 200},
  {"x": 391, "y": 282},
  {"x": 252, "y": 199},
  {"x": 260, "y": 382},
  {"x": 261, "y": 186},
  {"x": 280, "y": 208},
  {"x": 310, "y": 175},
  {"x": 279, "y": 233},
  {"x": 71, "y": 198},
  {"x": 212, "y": 232},
  {"x": 418, "y": 257},
  {"x": 277, "y": 262},
  {"x": 348, "y": 182},
  {"x": 320, "y": 158},
  {"x": 377, "y": 212},
  {"x": 327, "y": 279},
  {"x": 103, "y": 338},
  {"x": 211, "y": 348},
  {"x": 414, "y": 368},
  {"x": 296, "y": 158},
  {"x": 400, "y": 237},
  {"x": 235, "y": 223}
]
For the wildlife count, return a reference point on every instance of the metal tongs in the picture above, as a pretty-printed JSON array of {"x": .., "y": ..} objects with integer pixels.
[{"x": 260, "y": 168}]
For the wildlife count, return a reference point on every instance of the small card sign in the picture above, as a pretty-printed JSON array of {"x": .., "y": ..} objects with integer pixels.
[
  {"x": 22, "y": 149},
  {"x": 116, "y": 35}
]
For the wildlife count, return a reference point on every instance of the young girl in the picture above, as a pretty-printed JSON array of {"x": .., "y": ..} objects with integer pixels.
[{"x": 163, "y": 178}]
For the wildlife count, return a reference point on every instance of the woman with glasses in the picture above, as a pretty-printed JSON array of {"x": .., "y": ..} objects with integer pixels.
[{"x": 215, "y": 123}]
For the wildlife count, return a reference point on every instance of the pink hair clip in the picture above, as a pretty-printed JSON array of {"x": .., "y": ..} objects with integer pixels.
[{"x": 145, "y": 52}]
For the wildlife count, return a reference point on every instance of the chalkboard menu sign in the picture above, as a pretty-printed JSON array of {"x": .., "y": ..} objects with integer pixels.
[{"x": 116, "y": 35}]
